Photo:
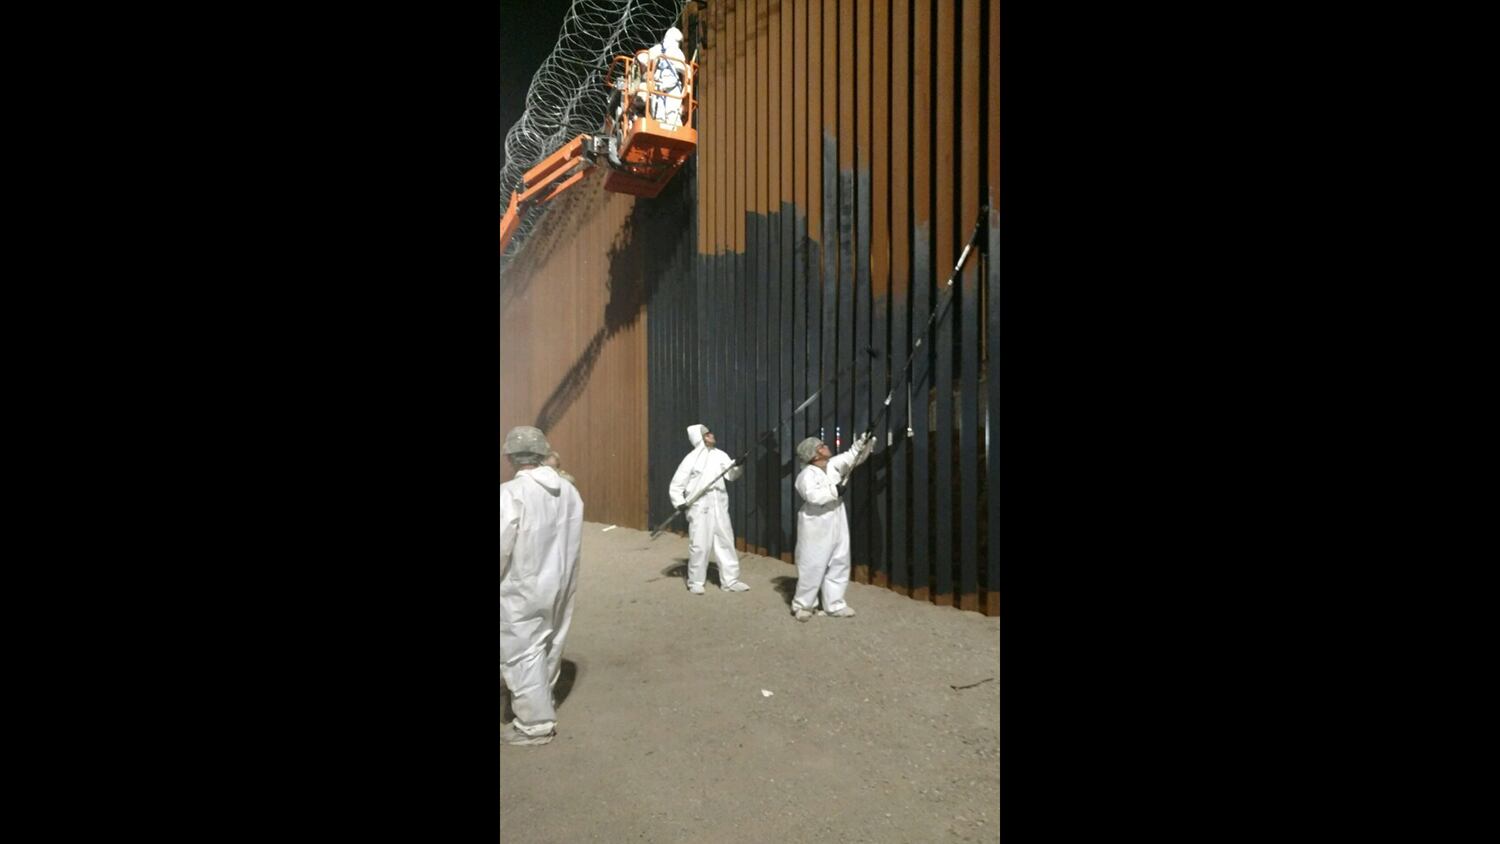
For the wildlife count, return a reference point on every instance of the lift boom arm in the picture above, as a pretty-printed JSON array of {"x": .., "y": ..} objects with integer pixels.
[
  {"x": 549, "y": 178},
  {"x": 644, "y": 147}
]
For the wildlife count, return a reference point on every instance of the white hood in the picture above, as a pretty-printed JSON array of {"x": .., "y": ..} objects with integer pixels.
[
  {"x": 695, "y": 435},
  {"x": 546, "y": 477}
]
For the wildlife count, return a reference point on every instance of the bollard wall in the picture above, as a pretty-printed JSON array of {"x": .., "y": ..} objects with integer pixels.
[{"x": 845, "y": 150}]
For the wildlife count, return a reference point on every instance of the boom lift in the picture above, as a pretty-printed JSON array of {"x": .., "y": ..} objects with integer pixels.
[{"x": 643, "y": 144}]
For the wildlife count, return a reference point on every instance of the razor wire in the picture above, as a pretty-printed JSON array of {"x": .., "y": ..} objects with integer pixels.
[{"x": 567, "y": 96}]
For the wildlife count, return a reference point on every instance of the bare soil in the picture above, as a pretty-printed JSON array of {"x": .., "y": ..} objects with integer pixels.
[{"x": 665, "y": 735}]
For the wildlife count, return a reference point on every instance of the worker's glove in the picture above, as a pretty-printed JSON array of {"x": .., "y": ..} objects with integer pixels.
[{"x": 863, "y": 448}]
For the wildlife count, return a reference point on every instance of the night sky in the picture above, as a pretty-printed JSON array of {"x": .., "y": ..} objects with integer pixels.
[{"x": 528, "y": 32}]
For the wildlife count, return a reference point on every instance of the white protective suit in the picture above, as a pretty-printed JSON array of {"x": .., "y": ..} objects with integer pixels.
[
  {"x": 709, "y": 529},
  {"x": 823, "y": 531},
  {"x": 668, "y": 78},
  {"x": 541, "y": 526}
]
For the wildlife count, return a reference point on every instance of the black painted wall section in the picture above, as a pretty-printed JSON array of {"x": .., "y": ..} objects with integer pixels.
[
  {"x": 676, "y": 372},
  {"x": 736, "y": 341}
]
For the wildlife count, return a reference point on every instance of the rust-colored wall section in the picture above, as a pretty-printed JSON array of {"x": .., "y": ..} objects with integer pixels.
[{"x": 573, "y": 350}]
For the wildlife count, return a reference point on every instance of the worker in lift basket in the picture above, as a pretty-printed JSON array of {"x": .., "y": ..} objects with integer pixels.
[{"x": 668, "y": 77}]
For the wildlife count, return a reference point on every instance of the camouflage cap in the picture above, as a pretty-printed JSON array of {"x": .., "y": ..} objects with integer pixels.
[{"x": 524, "y": 439}]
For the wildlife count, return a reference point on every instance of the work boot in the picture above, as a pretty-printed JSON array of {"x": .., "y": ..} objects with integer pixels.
[
  {"x": 695, "y": 588},
  {"x": 510, "y": 735},
  {"x": 737, "y": 586}
]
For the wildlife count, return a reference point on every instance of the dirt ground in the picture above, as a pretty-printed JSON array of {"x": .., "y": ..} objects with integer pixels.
[{"x": 665, "y": 735}]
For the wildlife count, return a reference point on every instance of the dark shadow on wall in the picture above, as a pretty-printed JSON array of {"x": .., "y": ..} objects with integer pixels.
[
  {"x": 572, "y": 384},
  {"x": 642, "y": 252}
]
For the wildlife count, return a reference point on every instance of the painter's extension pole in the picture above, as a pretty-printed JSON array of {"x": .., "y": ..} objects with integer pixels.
[{"x": 936, "y": 317}]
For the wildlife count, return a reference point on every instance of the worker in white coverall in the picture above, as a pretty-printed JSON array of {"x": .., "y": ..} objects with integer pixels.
[
  {"x": 668, "y": 77},
  {"x": 709, "y": 530},
  {"x": 541, "y": 526},
  {"x": 823, "y": 527}
]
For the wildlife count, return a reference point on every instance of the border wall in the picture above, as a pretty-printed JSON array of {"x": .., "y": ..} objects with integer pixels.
[{"x": 846, "y": 147}]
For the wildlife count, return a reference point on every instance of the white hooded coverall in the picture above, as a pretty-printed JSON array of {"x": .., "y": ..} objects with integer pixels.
[
  {"x": 541, "y": 526},
  {"x": 708, "y": 519},
  {"x": 668, "y": 78},
  {"x": 823, "y": 532}
]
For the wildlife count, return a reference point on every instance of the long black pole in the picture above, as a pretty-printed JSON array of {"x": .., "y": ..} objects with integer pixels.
[{"x": 936, "y": 317}]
